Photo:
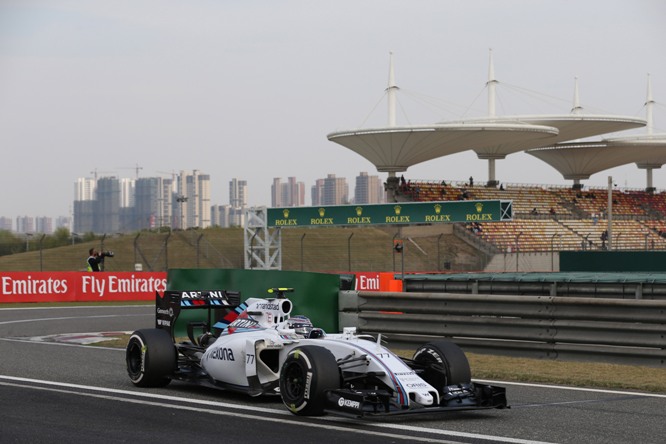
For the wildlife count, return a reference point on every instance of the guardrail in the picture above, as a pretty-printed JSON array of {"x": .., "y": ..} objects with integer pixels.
[{"x": 584, "y": 329}]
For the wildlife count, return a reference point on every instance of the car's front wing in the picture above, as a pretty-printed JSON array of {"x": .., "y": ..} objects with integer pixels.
[{"x": 369, "y": 403}]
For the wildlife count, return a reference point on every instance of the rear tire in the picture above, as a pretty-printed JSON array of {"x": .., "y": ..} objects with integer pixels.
[
  {"x": 306, "y": 375},
  {"x": 446, "y": 364},
  {"x": 151, "y": 358}
]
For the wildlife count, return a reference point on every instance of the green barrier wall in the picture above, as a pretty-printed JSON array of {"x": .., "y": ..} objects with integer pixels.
[
  {"x": 612, "y": 261},
  {"x": 315, "y": 294}
]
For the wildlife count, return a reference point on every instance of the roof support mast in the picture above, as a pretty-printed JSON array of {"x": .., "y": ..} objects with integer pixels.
[
  {"x": 491, "y": 84},
  {"x": 391, "y": 91},
  {"x": 577, "y": 109},
  {"x": 392, "y": 182},
  {"x": 649, "y": 105}
]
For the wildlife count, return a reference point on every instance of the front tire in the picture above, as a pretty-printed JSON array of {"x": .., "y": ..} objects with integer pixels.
[
  {"x": 151, "y": 358},
  {"x": 306, "y": 375},
  {"x": 445, "y": 364}
]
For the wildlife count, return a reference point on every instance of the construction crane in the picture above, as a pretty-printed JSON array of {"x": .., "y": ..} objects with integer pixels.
[
  {"x": 95, "y": 173},
  {"x": 136, "y": 168}
]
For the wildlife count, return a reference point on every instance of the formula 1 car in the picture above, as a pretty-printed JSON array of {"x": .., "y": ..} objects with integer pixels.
[{"x": 257, "y": 347}]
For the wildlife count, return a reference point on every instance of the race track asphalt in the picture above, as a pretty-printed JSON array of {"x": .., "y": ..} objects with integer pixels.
[{"x": 65, "y": 392}]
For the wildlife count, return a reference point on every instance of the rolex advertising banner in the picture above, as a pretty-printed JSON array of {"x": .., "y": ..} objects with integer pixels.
[{"x": 391, "y": 214}]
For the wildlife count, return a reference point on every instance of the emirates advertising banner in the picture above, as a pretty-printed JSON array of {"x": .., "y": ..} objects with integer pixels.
[{"x": 70, "y": 286}]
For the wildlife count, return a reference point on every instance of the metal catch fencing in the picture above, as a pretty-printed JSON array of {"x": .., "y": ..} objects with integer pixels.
[{"x": 581, "y": 329}]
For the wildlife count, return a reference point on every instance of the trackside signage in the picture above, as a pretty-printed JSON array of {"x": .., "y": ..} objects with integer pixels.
[
  {"x": 80, "y": 286},
  {"x": 392, "y": 214},
  {"x": 376, "y": 281}
]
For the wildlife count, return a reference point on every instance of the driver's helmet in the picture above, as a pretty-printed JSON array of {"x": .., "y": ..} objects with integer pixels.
[{"x": 300, "y": 324}]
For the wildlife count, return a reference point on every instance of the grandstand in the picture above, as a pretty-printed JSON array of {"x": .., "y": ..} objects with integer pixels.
[
  {"x": 546, "y": 218},
  {"x": 556, "y": 217}
]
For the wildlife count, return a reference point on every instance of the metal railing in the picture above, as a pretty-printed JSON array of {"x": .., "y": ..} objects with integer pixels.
[{"x": 584, "y": 329}]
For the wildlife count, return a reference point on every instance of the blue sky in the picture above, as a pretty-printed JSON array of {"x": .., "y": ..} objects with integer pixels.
[{"x": 251, "y": 89}]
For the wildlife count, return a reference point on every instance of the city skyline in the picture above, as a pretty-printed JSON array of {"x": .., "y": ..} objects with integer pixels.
[
  {"x": 144, "y": 195},
  {"x": 251, "y": 90}
]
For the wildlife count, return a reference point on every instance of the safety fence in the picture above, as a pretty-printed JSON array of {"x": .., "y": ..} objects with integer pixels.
[{"x": 582, "y": 329}]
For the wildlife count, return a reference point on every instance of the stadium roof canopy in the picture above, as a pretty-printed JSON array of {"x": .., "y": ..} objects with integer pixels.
[
  {"x": 570, "y": 127},
  {"x": 578, "y": 161},
  {"x": 395, "y": 148}
]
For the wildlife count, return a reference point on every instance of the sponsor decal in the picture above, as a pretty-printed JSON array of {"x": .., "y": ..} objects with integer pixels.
[
  {"x": 164, "y": 311},
  {"x": 243, "y": 323},
  {"x": 143, "y": 358},
  {"x": 416, "y": 385},
  {"x": 267, "y": 306},
  {"x": 57, "y": 286},
  {"x": 103, "y": 284},
  {"x": 222, "y": 354},
  {"x": 30, "y": 285},
  {"x": 342, "y": 402},
  {"x": 308, "y": 382},
  {"x": 432, "y": 353}
]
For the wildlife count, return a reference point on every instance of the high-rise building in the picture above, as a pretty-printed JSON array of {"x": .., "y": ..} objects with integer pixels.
[
  {"x": 276, "y": 193},
  {"x": 44, "y": 225},
  {"x": 84, "y": 205},
  {"x": 25, "y": 224},
  {"x": 165, "y": 214},
  {"x": 84, "y": 188},
  {"x": 335, "y": 191},
  {"x": 148, "y": 193},
  {"x": 317, "y": 192},
  {"x": 203, "y": 202},
  {"x": 107, "y": 209},
  {"x": 290, "y": 194},
  {"x": 368, "y": 190},
  {"x": 193, "y": 200},
  {"x": 110, "y": 205},
  {"x": 219, "y": 215},
  {"x": 6, "y": 224},
  {"x": 127, "y": 192},
  {"x": 237, "y": 201}
]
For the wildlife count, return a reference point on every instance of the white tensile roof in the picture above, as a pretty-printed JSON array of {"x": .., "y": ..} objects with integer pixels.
[
  {"x": 396, "y": 148},
  {"x": 578, "y": 161}
]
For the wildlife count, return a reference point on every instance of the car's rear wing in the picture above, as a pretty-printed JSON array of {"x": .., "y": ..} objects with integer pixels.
[{"x": 216, "y": 304}]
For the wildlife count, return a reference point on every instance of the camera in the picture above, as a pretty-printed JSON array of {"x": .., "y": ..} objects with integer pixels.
[{"x": 107, "y": 254}]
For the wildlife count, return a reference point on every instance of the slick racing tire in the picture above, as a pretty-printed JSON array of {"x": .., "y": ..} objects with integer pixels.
[
  {"x": 445, "y": 364},
  {"x": 151, "y": 358},
  {"x": 306, "y": 375}
]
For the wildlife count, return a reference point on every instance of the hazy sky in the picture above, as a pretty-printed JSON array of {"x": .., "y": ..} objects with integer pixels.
[{"x": 250, "y": 89}]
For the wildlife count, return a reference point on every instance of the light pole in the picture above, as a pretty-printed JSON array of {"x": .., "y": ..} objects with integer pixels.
[
  {"x": 349, "y": 251},
  {"x": 517, "y": 249},
  {"x": 552, "y": 250},
  {"x": 181, "y": 200},
  {"x": 27, "y": 241},
  {"x": 610, "y": 213}
]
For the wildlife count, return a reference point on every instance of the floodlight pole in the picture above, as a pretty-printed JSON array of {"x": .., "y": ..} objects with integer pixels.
[{"x": 610, "y": 213}]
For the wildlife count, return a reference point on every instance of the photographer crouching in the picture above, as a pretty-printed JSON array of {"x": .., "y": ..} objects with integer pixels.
[{"x": 96, "y": 259}]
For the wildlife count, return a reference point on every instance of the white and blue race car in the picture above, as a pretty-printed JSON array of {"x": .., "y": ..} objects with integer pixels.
[{"x": 257, "y": 347}]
